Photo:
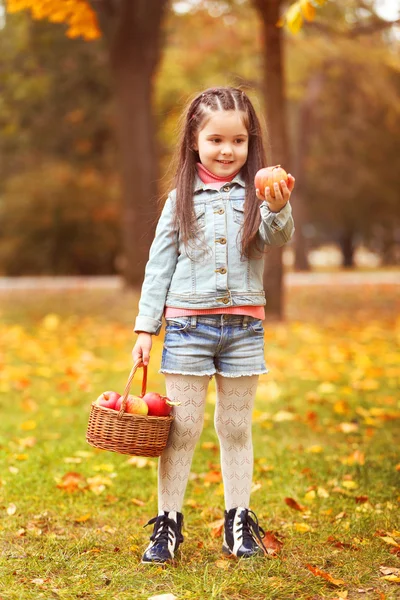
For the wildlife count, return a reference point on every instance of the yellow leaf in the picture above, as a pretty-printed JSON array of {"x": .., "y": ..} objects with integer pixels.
[
  {"x": 294, "y": 19},
  {"x": 83, "y": 518},
  {"x": 350, "y": 485},
  {"x": 302, "y": 527},
  {"x": 283, "y": 415},
  {"x": 322, "y": 493},
  {"x": 28, "y": 425},
  {"x": 315, "y": 449},
  {"x": 392, "y": 578},
  {"x": 310, "y": 495},
  {"x": 308, "y": 10},
  {"x": 21, "y": 457},
  {"x": 389, "y": 540},
  {"x": 340, "y": 407},
  {"x": 51, "y": 322}
]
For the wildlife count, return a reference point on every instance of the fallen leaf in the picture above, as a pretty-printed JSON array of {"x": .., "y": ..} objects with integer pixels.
[
  {"x": 283, "y": 415},
  {"x": 302, "y": 527},
  {"x": 83, "y": 518},
  {"x": 350, "y": 485},
  {"x": 361, "y": 499},
  {"x": 72, "y": 482},
  {"x": 392, "y": 578},
  {"x": 210, "y": 446},
  {"x": 272, "y": 543},
  {"x": 389, "y": 540},
  {"x": 11, "y": 509},
  {"x": 318, "y": 573},
  {"x": 217, "y": 528},
  {"x": 163, "y": 597},
  {"x": 389, "y": 570},
  {"x": 292, "y": 503},
  {"x": 98, "y": 483},
  {"x": 138, "y": 502},
  {"x": 28, "y": 425},
  {"x": 213, "y": 476},
  {"x": 138, "y": 461},
  {"x": 348, "y": 427},
  {"x": 222, "y": 564}
]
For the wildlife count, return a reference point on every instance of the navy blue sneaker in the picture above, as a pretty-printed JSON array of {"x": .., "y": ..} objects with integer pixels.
[
  {"x": 242, "y": 534},
  {"x": 166, "y": 537}
]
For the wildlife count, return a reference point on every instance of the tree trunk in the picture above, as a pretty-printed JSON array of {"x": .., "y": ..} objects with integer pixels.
[
  {"x": 347, "y": 248},
  {"x": 274, "y": 94},
  {"x": 304, "y": 133},
  {"x": 133, "y": 33}
]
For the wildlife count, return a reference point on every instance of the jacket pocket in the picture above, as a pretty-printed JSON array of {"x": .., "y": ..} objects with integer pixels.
[
  {"x": 238, "y": 212},
  {"x": 200, "y": 212}
]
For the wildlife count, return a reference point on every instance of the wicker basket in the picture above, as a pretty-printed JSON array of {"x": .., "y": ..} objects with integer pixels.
[{"x": 125, "y": 433}]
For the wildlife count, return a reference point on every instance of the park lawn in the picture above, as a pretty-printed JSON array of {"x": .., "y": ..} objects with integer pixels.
[{"x": 326, "y": 439}]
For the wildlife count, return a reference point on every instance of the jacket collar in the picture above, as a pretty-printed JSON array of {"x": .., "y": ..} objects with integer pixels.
[{"x": 199, "y": 186}]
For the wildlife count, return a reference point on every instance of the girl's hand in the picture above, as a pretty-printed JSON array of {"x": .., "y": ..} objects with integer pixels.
[
  {"x": 141, "y": 350},
  {"x": 282, "y": 194}
]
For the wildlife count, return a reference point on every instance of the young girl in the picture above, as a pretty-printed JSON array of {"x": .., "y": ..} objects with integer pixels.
[{"x": 205, "y": 275}]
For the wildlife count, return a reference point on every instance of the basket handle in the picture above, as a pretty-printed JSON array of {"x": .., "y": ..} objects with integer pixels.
[{"x": 128, "y": 385}]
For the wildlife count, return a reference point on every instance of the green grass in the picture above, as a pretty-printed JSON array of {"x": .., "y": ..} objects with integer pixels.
[{"x": 334, "y": 363}]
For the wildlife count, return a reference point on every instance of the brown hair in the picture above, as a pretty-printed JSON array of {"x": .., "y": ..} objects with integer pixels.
[{"x": 193, "y": 120}]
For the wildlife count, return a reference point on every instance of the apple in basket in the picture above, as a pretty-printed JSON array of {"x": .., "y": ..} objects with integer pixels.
[
  {"x": 108, "y": 399},
  {"x": 134, "y": 405},
  {"x": 159, "y": 406}
]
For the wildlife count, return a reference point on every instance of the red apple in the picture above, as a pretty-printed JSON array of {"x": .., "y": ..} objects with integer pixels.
[
  {"x": 267, "y": 177},
  {"x": 159, "y": 406},
  {"x": 108, "y": 399},
  {"x": 134, "y": 405}
]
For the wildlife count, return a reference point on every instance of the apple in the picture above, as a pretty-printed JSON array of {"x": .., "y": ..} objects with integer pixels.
[
  {"x": 267, "y": 177},
  {"x": 108, "y": 399},
  {"x": 134, "y": 405},
  {"x": 159, "y": 406}
]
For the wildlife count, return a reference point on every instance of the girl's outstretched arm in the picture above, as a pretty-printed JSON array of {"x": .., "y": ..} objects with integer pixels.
[{"x": 277, "y": 226}]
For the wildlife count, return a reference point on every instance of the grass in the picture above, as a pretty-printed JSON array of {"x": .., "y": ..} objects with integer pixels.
[{"x": 325, "y": 434}]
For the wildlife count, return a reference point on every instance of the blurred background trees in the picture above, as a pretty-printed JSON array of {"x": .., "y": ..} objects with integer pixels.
[{"x": 60, "y": 197}]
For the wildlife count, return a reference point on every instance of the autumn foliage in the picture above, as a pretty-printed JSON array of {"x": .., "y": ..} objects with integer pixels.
[{"x": 77, "y": 14}]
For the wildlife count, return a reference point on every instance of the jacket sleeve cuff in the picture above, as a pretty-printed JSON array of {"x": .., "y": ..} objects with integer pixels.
[
  {"x": 278, "y": 220},
  {"x": 147, "y": 324}
]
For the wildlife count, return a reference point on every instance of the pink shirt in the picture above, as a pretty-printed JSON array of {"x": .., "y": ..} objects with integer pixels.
[{"x": 257, "y": 312}]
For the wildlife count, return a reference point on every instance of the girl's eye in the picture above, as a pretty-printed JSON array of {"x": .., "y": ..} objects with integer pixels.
[
  {"x": 216, "y": 140},
  {"x": 239, "y": 141}
]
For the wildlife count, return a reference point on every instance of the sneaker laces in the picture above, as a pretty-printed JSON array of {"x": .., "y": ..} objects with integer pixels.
[
  {"x": 162, "y": 530},
  {"x": 250, "y": 529}
]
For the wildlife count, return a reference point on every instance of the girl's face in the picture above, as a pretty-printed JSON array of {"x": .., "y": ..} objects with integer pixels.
[{"x": 223, "y": 143}]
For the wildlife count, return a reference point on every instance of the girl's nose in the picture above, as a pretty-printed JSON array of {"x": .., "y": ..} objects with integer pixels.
[{"x": 226, "y": 150}]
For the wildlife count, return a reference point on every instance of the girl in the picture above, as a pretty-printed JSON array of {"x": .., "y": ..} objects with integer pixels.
[{"x": 205, "y": 275}]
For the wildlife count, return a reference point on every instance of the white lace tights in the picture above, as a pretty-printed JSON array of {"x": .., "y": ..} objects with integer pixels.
[{"x": 232, "y": 420}]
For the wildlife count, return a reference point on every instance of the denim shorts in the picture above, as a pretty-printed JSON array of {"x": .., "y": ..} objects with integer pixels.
[{"x": 230, "y": 345}]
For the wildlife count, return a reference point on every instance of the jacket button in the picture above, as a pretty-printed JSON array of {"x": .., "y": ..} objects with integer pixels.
[
  {"x": 221, "y": 211},
  {"x": 225, "y": 300},
  {"x": 222, "y": 240},
  {"x": 222, "y": 270},
  {"x": 226, "y": 188}
]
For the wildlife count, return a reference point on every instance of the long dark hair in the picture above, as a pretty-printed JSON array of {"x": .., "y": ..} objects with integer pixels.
[{"x": 193, "y": 120}]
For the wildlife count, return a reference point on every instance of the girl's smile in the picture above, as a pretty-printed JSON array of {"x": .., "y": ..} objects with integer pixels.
[{"x": 222, "y": 143}]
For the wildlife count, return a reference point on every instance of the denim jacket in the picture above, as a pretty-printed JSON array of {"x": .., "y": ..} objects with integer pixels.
[{"x": 211, "y": 273}]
